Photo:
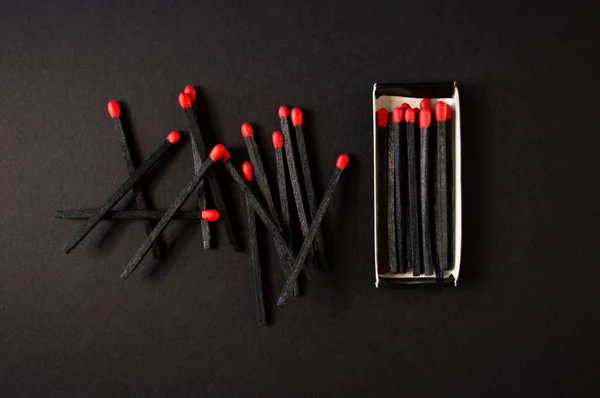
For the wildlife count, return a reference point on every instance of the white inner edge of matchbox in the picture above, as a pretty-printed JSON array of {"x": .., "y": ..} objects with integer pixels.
[{"x": 390, "y": 102}]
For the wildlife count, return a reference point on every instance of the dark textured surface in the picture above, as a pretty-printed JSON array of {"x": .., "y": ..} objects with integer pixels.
[{"x": 524, "y": 319}]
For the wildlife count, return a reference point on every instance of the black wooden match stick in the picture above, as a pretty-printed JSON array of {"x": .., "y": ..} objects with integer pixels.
[
  {"x": 441, "y": 189},
  {"x": 252, "y": 235},
  {"x": 185, "y": 193},
  {"x": 381, "y": 200},
  {"x": 425, "y": 123},
  {"x": 263, "y": 185},
  {"x": 83, "y": 214},
  {"x": 114, "y": 110},
  {"x": 391, "y": 201},
  {"x": 450, "y": 183},
  {"x": 413, "y": 245},
  {"x": 186, "y": 103},
  {"x": 293, "y": 172},
  {"x": 277, "y": 138},
  {"x": 341, "y": 164},
  {"x": 399, "y": 143},
  {"x": 172, "y": 139},
  {"x": 319, "y": 244}
]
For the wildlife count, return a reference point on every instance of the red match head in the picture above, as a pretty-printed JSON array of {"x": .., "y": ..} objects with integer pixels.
[
  {"x": 217, "y": 152},
  {"x": 297, "y": 117},
  {"x": 190, "y": 91},
  {"x": 398, "y": 115},
  {"x": 425, "y": 118},
  {"x": 426, "y": 103},
  {"x": 226, "y": 155},
  {"x": 448, "y": 111},
  {"x": 441, "y": 111},
  {"x": 248, "y": 171},
  {"x": 283, "y": 111},
  {"x": 382, "y": 117},
  {"x": 113, "y": 109},
  {"x": 210, "y": 215},
  {"x": 404, "y": 106},
  {"x": 247, "y": 130},
  {"x": 342, "y": 161},
  {"x": 173, "y": 137},
  {"x": 409, "y": 115},
  {"x": 277, "y": 139},
  {"x": 185, "y": 101}
]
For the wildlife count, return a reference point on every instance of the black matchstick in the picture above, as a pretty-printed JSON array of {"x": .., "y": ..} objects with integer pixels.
[
  {"x": 186, "y": 103},
  {"x": 172, "y": 139},
  {"x": 399, "y": 143},
  {"x": 441, "y": 189},
  {"x": 185, "y": 193},
  {"x": 284, "y": 112},
  {"x": 114, "y": 110},
  {"x": 413, "y": 246},
  {"x": 425, "y": 123},
  {"x": 341, "y": 164},
  {"x": 382, "y": 221},
  {"x": 450, "y": 171},
  {"x": 84, "y": 214},
  {"x": 391, "y": 201},
  {"x": 252, "y": 235},
  {"x": 263, "y": 185},
  {"x": 277, "y": 138},
  {"x": 319, "y": 244}
]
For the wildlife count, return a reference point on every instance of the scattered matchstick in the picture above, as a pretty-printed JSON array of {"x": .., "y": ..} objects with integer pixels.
[
  {"x": 185, "y": 102},
  {"x": 252, "y": 235},
  {"x": 341, "y": 164},
  {"x": 291, "y": 162},
  {"x": 84, "y": 214},
  {"x": 172, "y": 139},
  {"x": 399, "y": 143},
  {"x": 281, "y": 184},
  {"x": 209, "y": 215},
  {"x": 263, "y": 185},
  {"x": 391, "y": 201},
  {"x": 114, "y": 110},
  {"x": 413, "y": 252},
  {"x": 441, "y": 190},
  {"x": 297, "y": 121},
  {"x": 382, "y": 136},
  {"x": 425, "y": 123}
]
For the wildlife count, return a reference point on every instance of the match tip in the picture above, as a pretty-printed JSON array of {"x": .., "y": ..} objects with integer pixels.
[
  {"x": 426, "y": 103},
  {"x": 210, "y": 215},
  {"x": 114, "y": 110},
  {"x": 425, "y": 118},
  {"x": 173, "y": 137},
  {"x": 248, "y": 171},
  {"x": 342, "y": 161},
  {"x": 297, "y": 117},
  {"x": 448, "y": 111},
  {"x": 190, "y": 91},
  {"x": 409, "y": 115},
  {"x": 247, "y": 130},
  {"x": 217, "y": 152},
  {"x": 382, "y": 117},
  {"x": 185, "y": 101},
  {"x": 277, "y": 139},
  {"x": 441, "y": 111},
  {"x": 283, "y": 111},
  {"x": 398, "y": 115},
  {"x": 404, "y": 106}
]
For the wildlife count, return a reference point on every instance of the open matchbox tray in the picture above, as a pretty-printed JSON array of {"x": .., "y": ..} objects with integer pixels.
[{"x": 390, "y": 96}]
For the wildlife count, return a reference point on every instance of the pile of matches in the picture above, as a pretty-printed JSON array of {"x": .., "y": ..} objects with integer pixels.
[
  {"x": 259, "y": 201},
  {"x": 417, "y": 194}
]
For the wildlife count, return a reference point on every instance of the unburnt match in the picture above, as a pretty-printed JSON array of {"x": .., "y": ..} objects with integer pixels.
[
  {"x": 213, "y": 215},
  {"x": 425, "y": 123},
  {"x": 413, "y": 245},
  {"x": 84, "y": 214},
  {"x": 114, "y": 110},
  {"x": 172, "y": 139},
  {"x": 281, "y": 184},
  {"x": 391, "y": 201},
  {"x": 450, "y": 171},
  {"x": 341, "y": 164},
  {"x": 441, "y": 189},
  {"x": 399, "y": 143},
  {"x": 382, "y": 138},
  {"x": 252, "y": 235},
  {"x": 319, "y": 244}
]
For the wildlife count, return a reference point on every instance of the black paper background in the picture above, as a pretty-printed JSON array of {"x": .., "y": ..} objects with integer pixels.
[{"x": 524, "y": 319}]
